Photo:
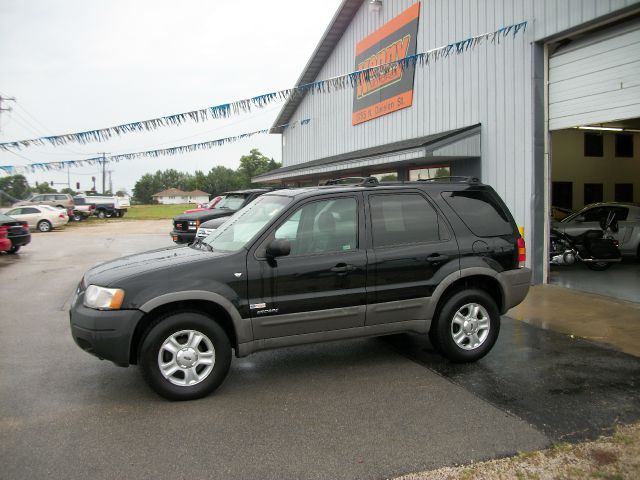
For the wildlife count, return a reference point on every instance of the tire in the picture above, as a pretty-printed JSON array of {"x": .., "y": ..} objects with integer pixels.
[
  {"x": 178, "y": 329},
  {"x": 598, "y": 266},
  {"x": 480, "y": 315},
  {"x": 121, "y": 214},
  {"x": 60, "y": 206},
  {"x": 77, "y": 217},
  {"x": 109, "y": 214},
  {"x": 101, "y": 214},
  {"x": 13, "y": 249},
  {"x": 44, "y": 226}
]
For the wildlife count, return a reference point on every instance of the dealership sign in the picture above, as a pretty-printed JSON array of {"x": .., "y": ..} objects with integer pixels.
[{"x": 390, "y": 88}]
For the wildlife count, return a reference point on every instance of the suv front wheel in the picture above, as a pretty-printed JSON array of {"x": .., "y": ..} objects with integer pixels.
[
  {"x": 467, "y": 326},
  {"x": 185, "y": 356}
]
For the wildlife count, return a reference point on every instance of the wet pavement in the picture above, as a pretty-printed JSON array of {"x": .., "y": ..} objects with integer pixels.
[
  {"x": 569, "y": 388},
  {"x": 367, "y": 408}
]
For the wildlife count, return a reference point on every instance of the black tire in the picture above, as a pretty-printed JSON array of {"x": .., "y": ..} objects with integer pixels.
[
  {"x": 442, "y": 331},
  {"x": 14, "y": 249},
  {"x": 101, "y": 214},
  {"x": 44, "y": 226},
  {"x": 598, "y": 266},
  {"x": 171, "y": 325},
  {"x": 121, "y": 214},
  {"x": 77, "y": 217}
]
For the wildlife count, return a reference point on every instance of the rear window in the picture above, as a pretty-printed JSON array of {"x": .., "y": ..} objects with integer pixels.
[{"x": 480, "y": 212}]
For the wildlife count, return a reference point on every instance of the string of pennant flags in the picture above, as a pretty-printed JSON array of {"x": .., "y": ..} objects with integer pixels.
[
  {"x": 176, "y": 150},
  {"x": 348, "y": 80}
]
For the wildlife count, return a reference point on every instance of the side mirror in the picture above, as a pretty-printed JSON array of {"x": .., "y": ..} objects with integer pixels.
[
  {"x": 579, "y": 218},
  {"x": 279, "y": 248}
]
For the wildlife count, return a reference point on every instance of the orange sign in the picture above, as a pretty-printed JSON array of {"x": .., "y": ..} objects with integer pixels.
[{"x": 389, "y": 88}]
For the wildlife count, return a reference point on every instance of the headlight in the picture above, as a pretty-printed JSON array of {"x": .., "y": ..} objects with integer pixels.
[{"x": 102, "y": 298}]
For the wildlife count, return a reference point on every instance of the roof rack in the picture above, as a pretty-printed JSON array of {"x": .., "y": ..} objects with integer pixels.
[
  {"x": 354, "y": 181},
  {"x": 451, "y": 179}
]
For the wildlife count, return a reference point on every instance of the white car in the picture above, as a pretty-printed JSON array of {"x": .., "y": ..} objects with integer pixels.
[{"x": 41, "y": 217}]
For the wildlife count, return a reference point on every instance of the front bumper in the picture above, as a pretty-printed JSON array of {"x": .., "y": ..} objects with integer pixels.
[
  {"x": 180, "y": 236},
  {"x": 106, "y": 334}
]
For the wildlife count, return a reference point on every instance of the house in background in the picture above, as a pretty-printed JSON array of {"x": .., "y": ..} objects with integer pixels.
[{"x": 174, "y": 195}]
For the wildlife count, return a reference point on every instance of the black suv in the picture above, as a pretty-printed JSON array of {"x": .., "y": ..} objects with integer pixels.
[
  {"x": 186, "y": 225},
  {"x": 309, "y": 265}
]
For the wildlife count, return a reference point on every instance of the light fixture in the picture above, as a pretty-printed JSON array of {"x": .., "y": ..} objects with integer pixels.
[
  {"x": 604, "y": 129},
  {"x": 375, "y": 5}
]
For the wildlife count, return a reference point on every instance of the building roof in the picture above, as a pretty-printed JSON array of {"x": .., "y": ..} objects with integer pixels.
[
  {"x": 430, "y": 141},
  {"x": 332, "y": 35},
  {"x": 175, "y": 192}
]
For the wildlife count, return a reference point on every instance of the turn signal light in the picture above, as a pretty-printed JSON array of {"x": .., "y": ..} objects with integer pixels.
[{"x": 522, "y": 252}]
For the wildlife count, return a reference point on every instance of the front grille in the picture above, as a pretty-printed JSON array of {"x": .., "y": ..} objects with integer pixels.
[{"x": 181, "y": 226}]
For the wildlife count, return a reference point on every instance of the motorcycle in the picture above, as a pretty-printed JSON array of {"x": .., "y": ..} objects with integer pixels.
[{"x": 597, "y": 249}]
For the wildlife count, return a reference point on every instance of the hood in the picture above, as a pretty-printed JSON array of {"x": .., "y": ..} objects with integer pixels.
[
  {"x": 213, "y": 223},
  {"x": 111, "y": 272},
  {"x": 203, "y": 215}
]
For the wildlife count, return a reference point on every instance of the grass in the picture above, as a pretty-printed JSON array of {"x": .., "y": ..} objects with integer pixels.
[{"x": 157, "y": 212}]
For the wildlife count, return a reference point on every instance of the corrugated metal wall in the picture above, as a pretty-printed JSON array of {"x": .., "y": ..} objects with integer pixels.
[{"x": 491, "y": 85}]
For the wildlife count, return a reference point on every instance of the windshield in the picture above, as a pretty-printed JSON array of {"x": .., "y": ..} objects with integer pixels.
[
  {"x": 240, "y": 228},
  {"x": 231, "y": 202}
]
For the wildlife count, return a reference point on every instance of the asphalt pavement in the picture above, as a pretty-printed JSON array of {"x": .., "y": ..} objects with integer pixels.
[{"x": 369, "y": 408}]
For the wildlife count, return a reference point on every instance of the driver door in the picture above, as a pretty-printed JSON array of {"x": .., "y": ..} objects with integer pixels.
[{"x": 320, "y": 285}]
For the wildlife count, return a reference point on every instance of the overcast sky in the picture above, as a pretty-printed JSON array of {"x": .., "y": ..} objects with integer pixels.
[{"x": 76, "y": 65}]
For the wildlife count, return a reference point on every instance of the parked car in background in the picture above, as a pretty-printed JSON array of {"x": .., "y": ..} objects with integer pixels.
[
  {"x": 41, "y": 217},
  {"x": 82, "y": 210},
  {"x": 17, "y": 232},
  {"x": 625, "y": 215},
  {"x": 5, "y": 243},
  {"x": 60, "y": 200},
  {"x": 106, "y": 206},
  {"x": 206, "y": 206},
  {"x": 186, "y": 225}
]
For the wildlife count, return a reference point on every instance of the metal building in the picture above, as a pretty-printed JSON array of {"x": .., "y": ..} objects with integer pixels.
[{"x": 487, "y": 112}]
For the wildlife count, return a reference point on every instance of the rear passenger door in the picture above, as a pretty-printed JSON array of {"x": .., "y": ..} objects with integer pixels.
[{"x": 411, "y": 248}]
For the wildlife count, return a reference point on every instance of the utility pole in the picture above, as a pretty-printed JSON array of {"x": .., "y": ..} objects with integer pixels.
[
  {"x": 104, "y": 165},
  {"x": 6, "y": 99},
  {"x": 110, "y": 183}
]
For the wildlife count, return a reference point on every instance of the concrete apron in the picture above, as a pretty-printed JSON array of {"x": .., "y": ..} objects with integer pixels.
[{"x": 593, "y": 317}]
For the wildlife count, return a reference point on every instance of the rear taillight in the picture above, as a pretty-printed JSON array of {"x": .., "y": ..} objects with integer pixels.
[
  {"x": 3, "y": 232},
  {"x": 25, "y": 225},
  {"x": 61, "y": 215},
  {"x": 92, "y": 207},
  {"x": 522, "y": 252}
]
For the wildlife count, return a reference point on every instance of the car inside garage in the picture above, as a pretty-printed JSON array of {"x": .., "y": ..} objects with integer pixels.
[{"x": 594, "y": 145}]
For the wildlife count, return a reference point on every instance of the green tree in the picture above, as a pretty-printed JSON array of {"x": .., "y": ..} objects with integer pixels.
[
  {"x": 68, "y": 190},
  {"x": 13, "y": 188},
  {"x": 43, "y": 187},
  {"x": 255, "y": 164},
  {"x": 222, "y": 179}
]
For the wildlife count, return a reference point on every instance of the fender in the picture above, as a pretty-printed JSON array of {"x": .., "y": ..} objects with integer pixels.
[
  {"x": 465, "y": 272},
  {"x": 244, "y": 332}
]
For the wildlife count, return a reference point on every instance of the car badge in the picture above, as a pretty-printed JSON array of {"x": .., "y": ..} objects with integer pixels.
[{"x": 238, "y": 275}]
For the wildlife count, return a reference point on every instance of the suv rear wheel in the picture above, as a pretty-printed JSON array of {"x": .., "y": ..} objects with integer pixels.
[
  {"x": 467, "y": 326},
  {"x": 185, "y": 356}
]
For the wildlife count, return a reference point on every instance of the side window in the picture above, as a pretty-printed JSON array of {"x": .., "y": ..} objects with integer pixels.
[
  {"x": 322, "y": 227},
  {"x": 30, "y": 210},
  {"x": 38, "y": 198},
  {"x": 61, "y": 197},
  {"x": 620, "y": 213},
  {"x": 594, "y": 214},
  {"x": 480, "y": 212},
  {"x": 403, "y": 219},
  {"x": 15, "y": 211}
]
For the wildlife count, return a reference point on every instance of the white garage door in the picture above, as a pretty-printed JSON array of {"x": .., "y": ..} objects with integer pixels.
[{"x": 596, "y": 79}]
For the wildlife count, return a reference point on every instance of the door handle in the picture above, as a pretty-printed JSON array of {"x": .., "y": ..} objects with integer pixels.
[
  {"x": 436, "y": 257},
  {"x": 343, "y": 269}
]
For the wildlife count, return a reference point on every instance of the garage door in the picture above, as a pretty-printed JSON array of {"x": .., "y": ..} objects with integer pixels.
[{"x": 596, "y": 79}]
